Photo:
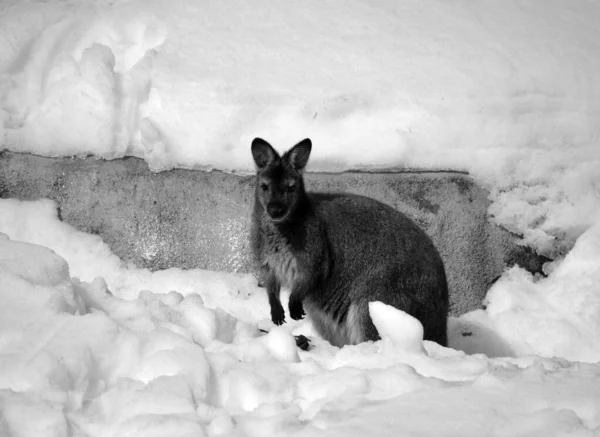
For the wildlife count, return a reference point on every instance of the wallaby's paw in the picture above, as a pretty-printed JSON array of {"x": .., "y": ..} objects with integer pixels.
[
  {"x": 296, "y": 310},
  {"x": 278, "y": 315},
  {"x": 302, "y": 342}
]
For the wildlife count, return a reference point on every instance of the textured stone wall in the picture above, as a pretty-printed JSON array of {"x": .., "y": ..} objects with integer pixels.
[{"x": 194, "y": 219}]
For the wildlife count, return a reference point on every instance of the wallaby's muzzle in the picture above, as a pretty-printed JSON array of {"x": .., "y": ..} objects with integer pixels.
[{"x": 276, "y": 211}]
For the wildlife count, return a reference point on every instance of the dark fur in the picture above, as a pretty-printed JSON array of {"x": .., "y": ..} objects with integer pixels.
[{"x": 338, "y": 252}]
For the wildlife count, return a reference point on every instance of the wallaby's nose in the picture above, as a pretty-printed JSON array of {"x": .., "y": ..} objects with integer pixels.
[{"x": 275, "y": 211}]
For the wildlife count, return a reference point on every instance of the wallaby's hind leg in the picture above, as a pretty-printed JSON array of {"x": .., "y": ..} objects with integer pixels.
[
  {"x": 358, "y": 324},
  {"x": 350, "y": 330},
  {"x": 324, "y": 324},
  {"x": 371, "y": 332}
]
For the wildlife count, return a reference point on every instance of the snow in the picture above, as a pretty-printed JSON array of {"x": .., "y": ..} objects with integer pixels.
[
  {"x": 182, "y": 353},
  {"x": 558, "y": 316},
  {"x": 505, "y": 90},
  {"x": 403, "y": 331},
  {"x": 508, "y": 91}
]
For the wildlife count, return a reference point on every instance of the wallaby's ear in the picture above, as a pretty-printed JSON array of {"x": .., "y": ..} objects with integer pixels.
[
  {"x": 263, "y": 153},
  {"x": 298, "y": 155}
]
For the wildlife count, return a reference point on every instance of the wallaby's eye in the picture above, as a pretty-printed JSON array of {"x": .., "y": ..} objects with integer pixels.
[
  {"x": 291, "y": 188},
  {"x": 264, "y": 187}
]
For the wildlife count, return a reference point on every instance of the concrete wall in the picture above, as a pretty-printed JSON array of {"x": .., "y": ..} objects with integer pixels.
[{"x": 194, "y": 219}]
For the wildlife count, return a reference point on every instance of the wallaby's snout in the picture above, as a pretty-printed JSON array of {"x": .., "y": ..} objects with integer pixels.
[
  {"x": 276, "y": 211},
  {"x": 275, "y": 196}
]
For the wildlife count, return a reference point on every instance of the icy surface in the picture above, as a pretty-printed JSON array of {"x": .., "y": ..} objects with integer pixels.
[
  {"x": 184, "y": 353},
  {"x": 507, "y": 90}
]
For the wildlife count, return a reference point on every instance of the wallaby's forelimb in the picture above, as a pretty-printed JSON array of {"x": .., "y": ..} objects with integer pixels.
[
  {"x": 299, "y": 292},
  {"x": 274, "y": 290}
]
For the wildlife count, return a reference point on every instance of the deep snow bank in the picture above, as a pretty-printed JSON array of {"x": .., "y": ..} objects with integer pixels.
[
  {"x": 506, "y": 90},
  {"x": 554, "y": 316}
]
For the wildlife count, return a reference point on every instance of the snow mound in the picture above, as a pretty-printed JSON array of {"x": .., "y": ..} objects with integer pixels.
[
  {"x": 82, "y": 76},
  {"x": 35, "y": 281},
  {"x": 396, "y": 326},
  {"x": 49, "y": 269},
  {"x": 557, "y": 316},
  {"x": 282, "y": 344}
]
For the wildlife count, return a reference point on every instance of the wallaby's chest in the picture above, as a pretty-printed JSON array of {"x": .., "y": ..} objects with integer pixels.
[{"x": 278, "y": 257}]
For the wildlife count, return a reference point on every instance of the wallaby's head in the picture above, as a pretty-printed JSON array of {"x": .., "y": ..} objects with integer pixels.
[{"x": 279, "y": 183}]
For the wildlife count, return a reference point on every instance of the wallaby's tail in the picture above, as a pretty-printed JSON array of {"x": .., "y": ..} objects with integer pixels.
[{"x": 437, "y": 332}]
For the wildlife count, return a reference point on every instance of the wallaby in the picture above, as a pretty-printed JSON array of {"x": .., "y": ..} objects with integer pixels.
[{"x": 338, "y": 252}]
